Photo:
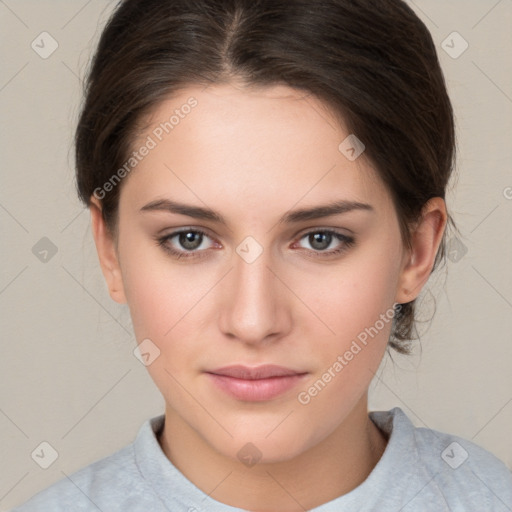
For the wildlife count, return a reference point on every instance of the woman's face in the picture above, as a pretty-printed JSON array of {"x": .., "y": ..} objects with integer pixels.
[{"x": 269, "y": 268}]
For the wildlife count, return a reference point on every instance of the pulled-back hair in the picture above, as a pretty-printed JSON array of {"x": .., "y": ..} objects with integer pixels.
[{"x": 374, "y": 64}]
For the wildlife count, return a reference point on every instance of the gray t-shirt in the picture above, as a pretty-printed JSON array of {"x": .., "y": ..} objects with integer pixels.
[{"x": 420, "y": 470}]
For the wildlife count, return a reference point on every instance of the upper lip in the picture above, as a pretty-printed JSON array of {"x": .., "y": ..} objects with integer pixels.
[{"x": 265, "y": 371}]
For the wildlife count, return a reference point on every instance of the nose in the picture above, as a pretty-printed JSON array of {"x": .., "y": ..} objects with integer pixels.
[{"x": 255, "y": 308}]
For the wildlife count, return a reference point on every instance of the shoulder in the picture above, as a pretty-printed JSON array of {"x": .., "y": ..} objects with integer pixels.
[
  {"x": 113, "y": 483},
  {"x": 463, "y": 468},
  {"x": 80, "y": 491},
  {"x": 461, "y": 473}
]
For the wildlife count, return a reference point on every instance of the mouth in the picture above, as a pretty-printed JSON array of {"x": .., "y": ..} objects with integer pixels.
[{"x": 255, "y": 384}]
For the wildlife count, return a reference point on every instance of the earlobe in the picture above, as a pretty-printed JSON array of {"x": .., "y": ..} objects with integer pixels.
[
  {"x": 107, "y": 253},
  {"x": 425, "y": 242}
]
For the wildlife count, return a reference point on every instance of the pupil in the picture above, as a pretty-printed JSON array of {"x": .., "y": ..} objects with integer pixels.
[
  {"x": 320, "y": 241},
  {"x": 190, "y": 240}
]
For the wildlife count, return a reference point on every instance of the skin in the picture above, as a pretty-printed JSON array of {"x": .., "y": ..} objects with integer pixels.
[{"x": 254, "y": 155}]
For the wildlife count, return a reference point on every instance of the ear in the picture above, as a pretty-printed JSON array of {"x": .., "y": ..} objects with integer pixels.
[
  {"x": 425, "y": 241},
  {"x": 107, "y": 253}
]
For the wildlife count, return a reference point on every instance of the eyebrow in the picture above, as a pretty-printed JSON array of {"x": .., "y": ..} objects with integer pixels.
[{"x": 300, "y": 215}]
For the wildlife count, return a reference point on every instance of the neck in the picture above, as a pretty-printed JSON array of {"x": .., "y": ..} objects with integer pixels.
[{"x": 333, "y": 467}]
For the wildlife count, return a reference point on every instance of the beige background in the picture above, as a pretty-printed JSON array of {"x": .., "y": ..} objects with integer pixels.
[{"x": 68, "y": 374}]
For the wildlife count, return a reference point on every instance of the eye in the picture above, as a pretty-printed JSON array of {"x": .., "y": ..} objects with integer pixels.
[
  {"x": 326, "y": 242},
  {"x": 186, "y": 243}
]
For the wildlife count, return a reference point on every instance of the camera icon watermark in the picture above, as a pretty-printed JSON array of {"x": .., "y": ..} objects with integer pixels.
[
  {"x": 146, "y": 352},
  {"x": 44, "y": 250},
  {"x": 44, "y": 455},
  {"x": 454, "y": 455},
  {"x": 351, "y": 147},
  {"x": 507, "y": 193},
  {"x": 249, "y": 455},
  {"x": 44, "y": 45},
  {"x": 455, "y": 249},
  {"x": 454, "y": 45},
  {"x": 249, "y": 250}
]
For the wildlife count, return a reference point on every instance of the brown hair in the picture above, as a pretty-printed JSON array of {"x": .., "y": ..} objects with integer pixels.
[{"x": 373, "y": 63}]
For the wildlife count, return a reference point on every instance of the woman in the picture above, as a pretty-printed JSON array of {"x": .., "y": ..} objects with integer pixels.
[{"x": 266, "y": 181}]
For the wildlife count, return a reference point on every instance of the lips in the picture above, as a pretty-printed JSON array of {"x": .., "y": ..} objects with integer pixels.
[
  {"x": 258, "y": 383},
  {"x": 253, "y": 373}
]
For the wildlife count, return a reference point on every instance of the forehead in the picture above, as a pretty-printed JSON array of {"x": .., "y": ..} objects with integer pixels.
[{"x": 251, "y": 145}]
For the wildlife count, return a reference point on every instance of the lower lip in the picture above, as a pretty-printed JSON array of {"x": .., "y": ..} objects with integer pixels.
[{"x": 257, "y": 390}]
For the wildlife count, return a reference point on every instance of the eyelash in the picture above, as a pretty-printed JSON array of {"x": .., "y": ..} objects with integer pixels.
[{"x": 348, "y": 242}]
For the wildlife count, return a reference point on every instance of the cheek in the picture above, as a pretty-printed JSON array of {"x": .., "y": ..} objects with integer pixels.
[
  {"x": 354, "y": 314},
  {"x": 169, "y": 304},
  {"x": 147, "y": 290},
  {"x": 159, "y": 292},
  {"x": 149, "y": 293},
  {"x": 164, "y": 304},
  {"x": 347, "y": 361},
  {"x": 351, "y": 296}
]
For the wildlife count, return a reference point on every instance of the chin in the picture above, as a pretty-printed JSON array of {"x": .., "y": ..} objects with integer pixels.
[{"x": 251, "y": 446}]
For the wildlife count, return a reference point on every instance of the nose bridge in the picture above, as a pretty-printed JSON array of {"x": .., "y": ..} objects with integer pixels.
[{"x": 254, "y": 308}]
